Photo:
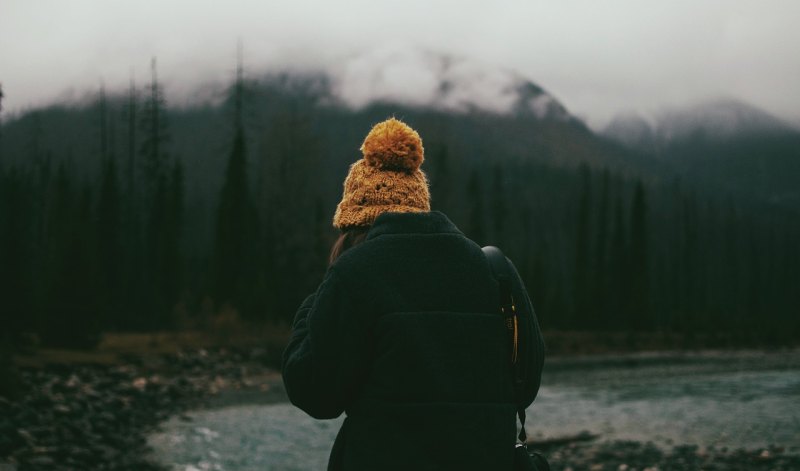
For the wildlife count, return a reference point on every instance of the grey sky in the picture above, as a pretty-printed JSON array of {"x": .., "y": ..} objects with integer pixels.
[{"x": 596, "y": 57}]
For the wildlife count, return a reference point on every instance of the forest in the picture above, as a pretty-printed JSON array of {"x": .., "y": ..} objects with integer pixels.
[{"x": 128, "y": 214}]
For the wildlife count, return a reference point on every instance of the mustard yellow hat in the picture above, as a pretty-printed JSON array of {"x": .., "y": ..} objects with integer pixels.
[{"x": 387, "y": 179}]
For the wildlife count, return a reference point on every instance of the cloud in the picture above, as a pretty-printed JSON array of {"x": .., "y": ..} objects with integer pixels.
[
  {"x": 596, "y": 60},
  {"x": 403, "y": 73}
]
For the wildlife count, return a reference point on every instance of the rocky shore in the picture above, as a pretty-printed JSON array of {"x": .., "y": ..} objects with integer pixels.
[
  {"x": 97, "y": 417},
  {"x": 639, "y": 456}
]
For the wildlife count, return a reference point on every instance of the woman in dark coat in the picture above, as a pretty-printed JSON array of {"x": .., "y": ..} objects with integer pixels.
[{"x": 404, "y": 334}]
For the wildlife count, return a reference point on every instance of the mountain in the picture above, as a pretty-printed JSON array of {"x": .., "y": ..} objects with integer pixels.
[
  {"x": 482, "y": 112},
  {"x": 631, "y": 130},
  {"x": 722, "y": 145},
  {"x": 716, "y": 120},
  {"x": 473, "y": 112},
  {"x": 719, "y": 119},
  {"x": 414, "y": 77}
]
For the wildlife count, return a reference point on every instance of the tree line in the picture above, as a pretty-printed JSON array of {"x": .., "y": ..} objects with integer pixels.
[{"x": 122, "y": 247}]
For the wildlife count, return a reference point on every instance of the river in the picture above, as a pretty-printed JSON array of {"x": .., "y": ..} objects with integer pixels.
[{"x": 742, "y": 399}]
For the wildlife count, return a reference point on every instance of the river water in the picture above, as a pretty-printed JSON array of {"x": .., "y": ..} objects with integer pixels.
[{"x": 744, "y": 399}]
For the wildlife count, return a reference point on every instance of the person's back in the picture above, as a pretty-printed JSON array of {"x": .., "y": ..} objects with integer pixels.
[{"x": 404, "y": 335}]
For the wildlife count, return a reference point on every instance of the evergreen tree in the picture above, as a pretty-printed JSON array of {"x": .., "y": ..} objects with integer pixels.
[
  {"x": 1, "y": 126},
  {"x": 155, "y": 135},
  {"x": 322, "y": 233},
  {"x": 108, "y": 217},
  {"x": 166, "y": 217},
  {"x": 109, "y": 234},
  {"x": 236, "y": 222},
  {"x": 71, "y": 316},
  {"x": 289, "y": 179},
  {"x": 234, "y": 230},
  {"x": 638, "y": 310},
  {"x": 155, "y": 170},
  {"x": 442, "y": 178},
  {"x": 499, "y": 211},
  {"x": 600, "y": 284},
  {"x": 132, "y": 237},
  {"x": 477, "y": 227},
  {"x": 131, "y": 117},
  {"x": 583, "y": 303},
  {"x": 692, "y": 293},
  {"x": 729, "y": 271},
  {"x": 618, "y": 269},
  {"x": 173, "y": 257},
  {"x": 16, "y": 253}
]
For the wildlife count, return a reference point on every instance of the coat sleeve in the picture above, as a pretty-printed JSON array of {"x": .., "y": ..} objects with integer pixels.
[
  {"x": 532, "y": 343},
  {"x": 324, "y": 362}
]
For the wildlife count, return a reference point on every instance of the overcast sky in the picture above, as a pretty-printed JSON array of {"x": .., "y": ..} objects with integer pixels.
[{"x": 597, "y": 57}]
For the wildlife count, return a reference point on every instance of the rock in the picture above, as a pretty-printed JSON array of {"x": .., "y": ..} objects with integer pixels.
[
  {"x": 43, "y": 461},
  {"x": 77, "y": 418},
  {"x": 140, "y": 383},
  {"x": 27, "y": 437}
]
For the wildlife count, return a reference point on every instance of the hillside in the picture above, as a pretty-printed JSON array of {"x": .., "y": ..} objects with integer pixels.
[{"x": 722, "y": 146}]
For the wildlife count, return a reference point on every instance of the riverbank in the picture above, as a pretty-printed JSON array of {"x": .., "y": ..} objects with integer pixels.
[
  {"x": 645, "y": 456},
  {"x": 98, "y": 416}
]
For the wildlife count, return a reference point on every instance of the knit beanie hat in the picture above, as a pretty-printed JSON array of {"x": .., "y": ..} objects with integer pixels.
[{"x": 387, "y": 179}]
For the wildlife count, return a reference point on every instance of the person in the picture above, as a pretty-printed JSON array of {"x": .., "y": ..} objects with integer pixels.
[{"x": 404, "y": 334}]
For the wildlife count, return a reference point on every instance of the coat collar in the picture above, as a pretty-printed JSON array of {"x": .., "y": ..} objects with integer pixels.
[{"x": 433, "y": 222}]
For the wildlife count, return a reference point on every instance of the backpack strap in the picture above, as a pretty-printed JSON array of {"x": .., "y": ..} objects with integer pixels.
[{"x": 502, "y": 272}]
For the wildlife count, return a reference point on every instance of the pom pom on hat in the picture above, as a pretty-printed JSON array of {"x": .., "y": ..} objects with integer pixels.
[
  {"x": 393, "y": 145},
  {"x": 387, "y": 179}
]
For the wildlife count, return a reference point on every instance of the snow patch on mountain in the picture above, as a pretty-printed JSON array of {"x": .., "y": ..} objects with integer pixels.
[{"x": 407, "y": 75}]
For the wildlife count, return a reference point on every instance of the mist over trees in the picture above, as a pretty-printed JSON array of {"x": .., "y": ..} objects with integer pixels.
[{"x": 128, "y": 214}]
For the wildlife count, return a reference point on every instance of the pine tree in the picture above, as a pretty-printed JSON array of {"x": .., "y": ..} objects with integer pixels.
[
  {"x": 173, "y": 255},
  {"x": 166, "y": 217},
  {"x": 71, "y": 315},
  {"x": 499, "y": 211},
  {"x": 234, "y": 229},
  {"x": 1, "y": 126},
  {"x": 600, "y": 284},
  {"x": 155, "y": 169},
  {"x": 638, "y": 310},
  {"x": 289, "y": 180},
  {"x": 441, "y": 184},
  {"x": 583, "y": 303},
  {"x": 131, "y": 117},
  {"x": 322, "y": 239},
  {"x": 236, "y": 224},
  {"x": 477, "y": 226},
  {"x": 16, "y": 253},
  {"x": 155, "y": 135},
  {"x": 132, "y": 238},
  {"x": 618, "y": 269},
  {"x": 692, "y": 293},
  {"x": 109, "y": 232},
  {"x": 108, "y": 214}
]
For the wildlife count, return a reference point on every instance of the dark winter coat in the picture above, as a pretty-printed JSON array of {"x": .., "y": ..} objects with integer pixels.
[{"x": 405, "y": 337}]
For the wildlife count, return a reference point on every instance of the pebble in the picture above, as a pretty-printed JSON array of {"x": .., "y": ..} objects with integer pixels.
[
  {"x": 92, "y": 417},
  {"x": 632, "y": 455}
]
